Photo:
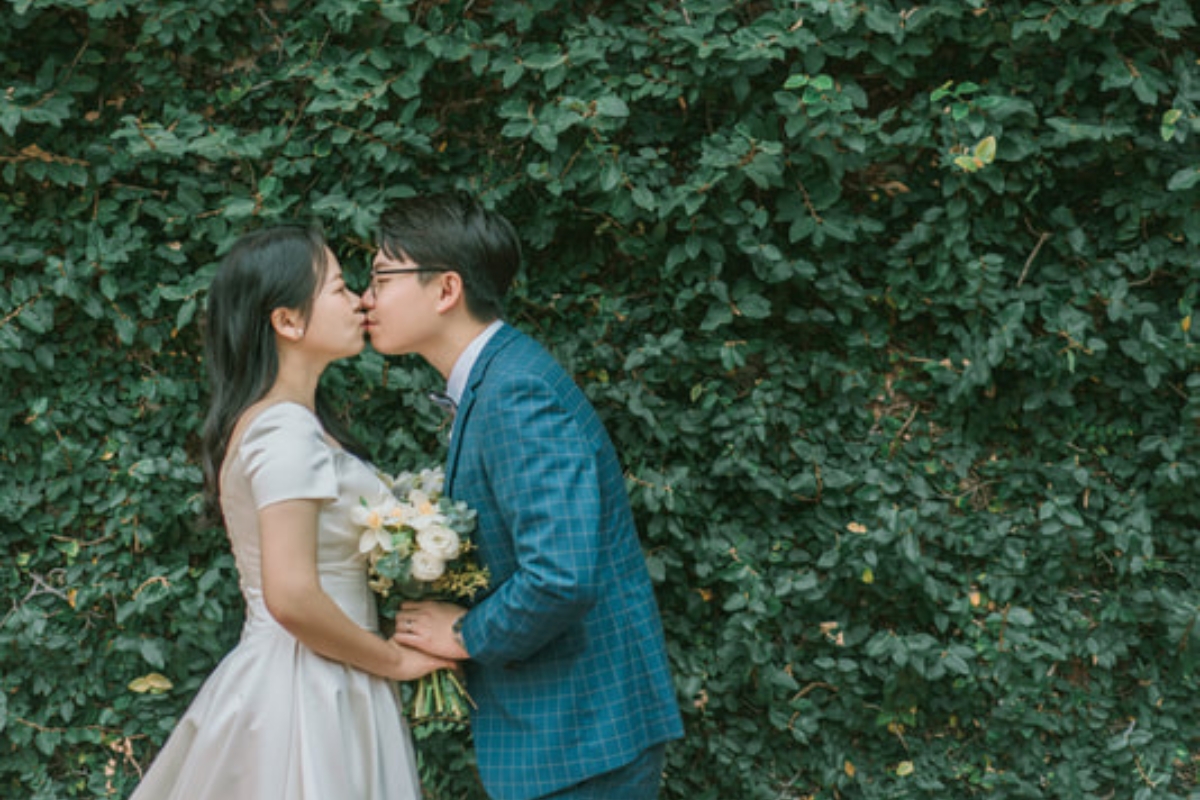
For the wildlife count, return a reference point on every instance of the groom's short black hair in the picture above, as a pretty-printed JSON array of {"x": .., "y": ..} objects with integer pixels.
[{"x": 455, "y": 232}]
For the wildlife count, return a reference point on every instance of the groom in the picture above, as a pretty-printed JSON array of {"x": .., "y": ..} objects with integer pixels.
[{"x": 565, "y": 655}]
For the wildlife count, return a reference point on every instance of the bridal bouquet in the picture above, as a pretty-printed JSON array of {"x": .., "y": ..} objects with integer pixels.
[{"x": 418, "y": 547}]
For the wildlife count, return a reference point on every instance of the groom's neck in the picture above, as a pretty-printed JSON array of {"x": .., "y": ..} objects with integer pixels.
[{"x": 456, "y": 337}]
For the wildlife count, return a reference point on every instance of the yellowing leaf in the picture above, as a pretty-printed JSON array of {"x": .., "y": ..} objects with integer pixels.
[
  {"x": 856, "y": 527},
  {"x": 849, "y": 769},
  {"x": 967, "y": 163},
  {"x": 154, "y": 683},
  {"x": 868, "y": 575},
  {"x": 985, "y": 151},
  {"x": 1186, "y": 323},
  {"x": 904, "y": 768}
]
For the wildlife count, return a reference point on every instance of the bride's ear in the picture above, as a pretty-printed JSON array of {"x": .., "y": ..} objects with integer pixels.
[{"x": 288, "y": 323}]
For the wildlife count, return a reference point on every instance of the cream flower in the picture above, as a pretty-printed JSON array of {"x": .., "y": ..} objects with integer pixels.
[
  {"x": 440, "y": 541},
  {"x": 426, "y": 566},
  {"x": 372, "y": 539},
  {"x": 432, "y": 480},
  {"x": 375, "y": 516},
  {"x": 421, "y": 512},
  {"x": 422, "y": 503},
  {"x": 374, "y": 520},
  {"x": 397, "y": 515}
]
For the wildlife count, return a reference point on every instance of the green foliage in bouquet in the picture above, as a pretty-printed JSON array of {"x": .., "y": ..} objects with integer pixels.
[{"x": 887, "y": 307}]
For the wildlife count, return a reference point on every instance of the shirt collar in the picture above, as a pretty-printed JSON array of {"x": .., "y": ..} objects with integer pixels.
[{"x": 457, "y": 383}]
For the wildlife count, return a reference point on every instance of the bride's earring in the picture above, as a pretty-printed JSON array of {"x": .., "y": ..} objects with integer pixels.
[{"x": 284, "y": 321}]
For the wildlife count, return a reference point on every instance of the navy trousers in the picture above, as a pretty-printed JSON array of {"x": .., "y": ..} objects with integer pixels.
[{"x": 638, "y": 780}]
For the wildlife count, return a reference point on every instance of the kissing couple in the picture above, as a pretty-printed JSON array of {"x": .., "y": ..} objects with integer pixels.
[{"x": 563, "y": 653}]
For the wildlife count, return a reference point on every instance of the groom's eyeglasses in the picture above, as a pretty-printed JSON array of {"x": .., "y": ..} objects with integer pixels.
[{"x": 373, "y": 286}]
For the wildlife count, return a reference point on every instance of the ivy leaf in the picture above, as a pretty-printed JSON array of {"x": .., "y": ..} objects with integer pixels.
[
  {"x": 753, "y": 306},
  {"x": 1169, "y": 119},
  {"x": 1184, "y": 179},
  {"x": 1018, "y": 615},
  {"x": 644, "y": 198},
  {"x": 612, "y": 106},
  {"x": 543, "y": 58}
]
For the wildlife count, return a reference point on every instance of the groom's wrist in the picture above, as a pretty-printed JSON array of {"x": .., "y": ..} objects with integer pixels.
[{"x": 456, "y": 629}]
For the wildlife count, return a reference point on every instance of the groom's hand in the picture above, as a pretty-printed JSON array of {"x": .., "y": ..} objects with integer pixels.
[{"x": 429, "y": 626}]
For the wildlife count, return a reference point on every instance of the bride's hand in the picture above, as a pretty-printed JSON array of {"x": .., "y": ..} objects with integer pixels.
[{"x": 413, "y": 664}]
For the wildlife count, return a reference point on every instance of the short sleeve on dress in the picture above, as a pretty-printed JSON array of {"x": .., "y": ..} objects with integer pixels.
[{"x": 287, "y": 457}]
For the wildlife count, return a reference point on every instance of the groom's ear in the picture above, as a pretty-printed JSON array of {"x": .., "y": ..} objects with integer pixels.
[{"x": 450, "y": 292}]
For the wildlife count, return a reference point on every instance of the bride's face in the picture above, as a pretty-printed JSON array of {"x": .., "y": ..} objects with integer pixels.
[{"x": 335, "y": 324}]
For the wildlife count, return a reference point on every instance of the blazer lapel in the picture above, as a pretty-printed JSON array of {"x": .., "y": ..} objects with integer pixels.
[{"x": 501, "y": 339}]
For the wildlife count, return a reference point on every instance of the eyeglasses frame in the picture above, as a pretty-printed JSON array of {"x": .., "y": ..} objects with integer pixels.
[{"x": 402, "y": 271}]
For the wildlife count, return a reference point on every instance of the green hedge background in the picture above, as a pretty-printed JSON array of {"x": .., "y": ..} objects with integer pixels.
[{"x": 887, "y": 305}]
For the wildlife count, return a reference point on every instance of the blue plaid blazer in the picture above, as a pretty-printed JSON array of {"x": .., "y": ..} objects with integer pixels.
[{"x": 568, "y": 664}]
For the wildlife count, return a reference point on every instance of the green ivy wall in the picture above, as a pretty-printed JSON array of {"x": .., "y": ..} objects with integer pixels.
[{"x": 888, "y": 307}]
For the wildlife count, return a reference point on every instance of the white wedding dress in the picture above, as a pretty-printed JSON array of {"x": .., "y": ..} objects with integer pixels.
[{"x": 276, "y": 721}]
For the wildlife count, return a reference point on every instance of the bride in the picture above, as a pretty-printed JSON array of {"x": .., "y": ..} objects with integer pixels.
[{"x": 305, "y": 705}]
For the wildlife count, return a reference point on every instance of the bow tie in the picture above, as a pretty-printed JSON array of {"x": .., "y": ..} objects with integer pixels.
[{"x": 445, "y": 401}]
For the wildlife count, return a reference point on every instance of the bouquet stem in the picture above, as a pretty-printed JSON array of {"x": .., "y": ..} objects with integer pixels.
[{"x": 441, "y": 698}]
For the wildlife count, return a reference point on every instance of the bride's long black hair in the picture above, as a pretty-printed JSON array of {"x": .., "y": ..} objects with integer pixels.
[{"x": 277, "y": 267}]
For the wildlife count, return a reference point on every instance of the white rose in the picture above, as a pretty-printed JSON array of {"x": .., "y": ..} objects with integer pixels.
[
  {"x": 426, "y": 566},
  {"x": 439, "y": 541}
]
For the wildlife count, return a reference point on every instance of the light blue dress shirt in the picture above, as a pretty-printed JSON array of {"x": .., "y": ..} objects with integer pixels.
[{"x": 457, "y": 383}]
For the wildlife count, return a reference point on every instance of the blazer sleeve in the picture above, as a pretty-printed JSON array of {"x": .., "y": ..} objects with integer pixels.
[{"x": 544, "y": 475}]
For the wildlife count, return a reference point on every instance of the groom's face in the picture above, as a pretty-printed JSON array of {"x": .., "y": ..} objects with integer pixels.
[{"x": 401, "y": 305}]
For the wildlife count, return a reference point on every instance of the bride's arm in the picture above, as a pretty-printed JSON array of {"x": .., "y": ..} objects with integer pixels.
[{"x": 295, "y": 598}]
